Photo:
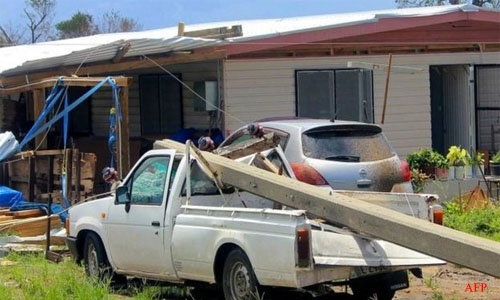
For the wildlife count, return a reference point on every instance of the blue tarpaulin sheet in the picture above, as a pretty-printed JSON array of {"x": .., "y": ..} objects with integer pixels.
[
  {"x": 15, "y": 202},
  {"x": 9, "y": 197}
]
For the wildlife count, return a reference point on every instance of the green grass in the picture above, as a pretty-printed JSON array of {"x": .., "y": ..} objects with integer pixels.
[
  {"x": 32, "y": 277},
  {"x": 483, "y": 222}
]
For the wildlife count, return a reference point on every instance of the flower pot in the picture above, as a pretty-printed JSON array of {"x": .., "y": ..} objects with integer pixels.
[
  {"x": 468, "y": 171},
  {"x": 479, "y": 171},
  {"x": 494, "y": 169},
  {"x": 451, "y": 173},
  {"x": 459, "y": 172},
  {"x": 442, "y": 173}
]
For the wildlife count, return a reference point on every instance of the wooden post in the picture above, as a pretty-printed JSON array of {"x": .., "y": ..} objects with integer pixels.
[
  {"x": 50, "y": 174},
  {"x": 68, "y": 163},
  {"x": 78, "y": 175},
  {"x": 388, "y": 76},
  {"x": 124, "y": 133},
  {"x": 31, "y": 179},
  {"x": 38, "y": 105}
]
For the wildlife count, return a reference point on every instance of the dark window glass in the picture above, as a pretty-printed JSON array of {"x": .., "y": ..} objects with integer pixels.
[{"x": 346, "y": 144}]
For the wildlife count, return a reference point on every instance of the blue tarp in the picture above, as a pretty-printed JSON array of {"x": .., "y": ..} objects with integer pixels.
[
  {"x": 15, "y": 202},
  {"x": 9, "y": 197}
]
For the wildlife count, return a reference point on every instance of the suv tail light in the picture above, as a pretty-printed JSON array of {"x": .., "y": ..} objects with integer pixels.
[
  {"x": 405, "y": 170},
  {"x": 307, "y": 174}
]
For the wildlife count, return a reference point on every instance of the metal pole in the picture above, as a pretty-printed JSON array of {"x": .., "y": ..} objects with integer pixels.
[{"x": 388, "y": 76}]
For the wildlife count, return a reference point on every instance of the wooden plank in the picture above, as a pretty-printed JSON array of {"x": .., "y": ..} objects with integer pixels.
[
  {"x": 4, "y": 212},
  {"x": 124, "y": 136},
  {"x": 268, "y": 141},
  {"x": 372, "y": 220},
  {"x": 26, "y": 213},
  {"x": 6, "y": 218},
  {"x": 31, "y": 226},
  {"x": 66, "y": 81},
  {"x": 38, "y": 106}
]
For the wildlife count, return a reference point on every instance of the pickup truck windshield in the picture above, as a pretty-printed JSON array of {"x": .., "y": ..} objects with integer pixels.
[{"x": 148, "y": 182}]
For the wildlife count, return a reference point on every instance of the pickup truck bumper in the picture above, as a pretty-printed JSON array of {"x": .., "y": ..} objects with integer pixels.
[{"x": 71, "y": 242}]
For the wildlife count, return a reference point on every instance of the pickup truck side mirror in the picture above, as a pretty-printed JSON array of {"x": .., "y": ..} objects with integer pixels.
[{"x": 123, "y": 197}]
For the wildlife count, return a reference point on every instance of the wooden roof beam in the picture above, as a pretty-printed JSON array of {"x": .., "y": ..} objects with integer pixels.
[
  {"x": 129, "y": 65},
  {"x": 66, "y": 81}
]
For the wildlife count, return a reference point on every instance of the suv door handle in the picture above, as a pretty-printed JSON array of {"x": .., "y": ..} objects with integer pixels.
[{"x": 155, "y": 223}]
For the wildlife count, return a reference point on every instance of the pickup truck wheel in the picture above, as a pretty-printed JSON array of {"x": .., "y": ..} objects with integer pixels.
[
  {"x": 94, "y": 256},
  {"x": 238, "y": 278}
]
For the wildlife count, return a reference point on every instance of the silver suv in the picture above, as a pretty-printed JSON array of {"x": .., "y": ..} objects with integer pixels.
[{"x": 345, "y": 155}]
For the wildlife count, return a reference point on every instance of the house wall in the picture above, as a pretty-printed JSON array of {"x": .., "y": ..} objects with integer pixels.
[
  {"x": 257, "y": 89},
  {"x": 190, "y": 73}
]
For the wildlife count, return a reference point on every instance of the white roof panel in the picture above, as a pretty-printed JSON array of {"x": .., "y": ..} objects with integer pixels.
[{"x": 23, "y": 58}]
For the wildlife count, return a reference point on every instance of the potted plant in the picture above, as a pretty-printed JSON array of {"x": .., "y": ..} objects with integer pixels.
[
  {"x": 495, "y": 164},
  {"x": 456, "y": 159},
  {"x": 479, "y": 164},
  {"x": 469, "y": 163},
  {"x": 421, "y": 160},
  {"x": 442, "y": 167},
  {"x": 429, "y": 162}
]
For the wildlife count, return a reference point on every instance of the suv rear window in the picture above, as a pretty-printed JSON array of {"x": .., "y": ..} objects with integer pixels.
[{"x": 346, "y": 143}]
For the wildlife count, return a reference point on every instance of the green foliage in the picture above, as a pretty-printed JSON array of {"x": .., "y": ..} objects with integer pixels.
[
  {"x": 495, "y": 158},
  {"x": 424, "y": 158},
  {"x": 457, "y": 156},
  {"x": 80, "y": 24},
  {"x": 418, "y": 180},
  {"x": 483, "y": 222},
  {"x": 32, "y": 277}
]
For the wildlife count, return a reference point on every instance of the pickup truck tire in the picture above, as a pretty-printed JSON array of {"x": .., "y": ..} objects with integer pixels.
[
  {"x": 238, "y": 278},
  {"x": 94, "y": 258}
]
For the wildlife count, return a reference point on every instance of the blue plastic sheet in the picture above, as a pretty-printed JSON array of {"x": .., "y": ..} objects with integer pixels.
[
  {"x": 9, "y": 197},
  {"x": 14, "y": 200}
]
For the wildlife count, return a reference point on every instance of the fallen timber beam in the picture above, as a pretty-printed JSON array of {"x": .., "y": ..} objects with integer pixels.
[{"x": 420, "y": 235}]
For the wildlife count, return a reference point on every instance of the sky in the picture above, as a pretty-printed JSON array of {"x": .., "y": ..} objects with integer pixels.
[{"x": 153, "y": 14}]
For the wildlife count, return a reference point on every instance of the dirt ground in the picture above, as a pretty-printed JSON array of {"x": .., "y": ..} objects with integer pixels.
[{"x": 451, "y": 282}]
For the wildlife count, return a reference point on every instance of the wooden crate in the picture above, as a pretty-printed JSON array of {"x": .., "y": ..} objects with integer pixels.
[{"x": 36, "y": 174}]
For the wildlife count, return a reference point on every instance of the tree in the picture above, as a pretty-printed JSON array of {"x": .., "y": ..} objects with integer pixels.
[
  {"x": 10, "y": 35},
  {"x": 80, "y": 24},
  {"x": 113, "y": 22},
  {"x": 39, "y": 14},
  {"x": 417, "y": 3}
]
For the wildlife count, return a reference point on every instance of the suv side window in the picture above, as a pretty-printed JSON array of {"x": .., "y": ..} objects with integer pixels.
[
  {"x": 148, "y": 182},
  {"x": 243, "y": 135}
]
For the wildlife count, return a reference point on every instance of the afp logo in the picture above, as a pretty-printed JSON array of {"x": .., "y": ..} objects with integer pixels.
[{"x": 476, "y": 287}]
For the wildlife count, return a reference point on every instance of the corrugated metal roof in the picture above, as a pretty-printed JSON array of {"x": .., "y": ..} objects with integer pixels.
[{"x": 24, "y": 58}]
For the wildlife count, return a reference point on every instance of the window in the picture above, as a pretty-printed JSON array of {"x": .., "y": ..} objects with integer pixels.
[
  {"x": 148, "y": 182},
  {"x": 161, "y": 104},
  {"x": 79, "y": 118},
  {"x": 344, "y": 94},
  {"x": 243, "y": 135}
]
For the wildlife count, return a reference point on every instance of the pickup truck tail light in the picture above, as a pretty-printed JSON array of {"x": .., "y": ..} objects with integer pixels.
[
  {"x": 405, "y": 170},
  {"x": 436, "y": 214},
  {"x": 303, "y": 248},
  {"x": 307, "y": 174}
]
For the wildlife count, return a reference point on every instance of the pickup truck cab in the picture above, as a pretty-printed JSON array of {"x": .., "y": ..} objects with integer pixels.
[{"x": 169, "y": 221}]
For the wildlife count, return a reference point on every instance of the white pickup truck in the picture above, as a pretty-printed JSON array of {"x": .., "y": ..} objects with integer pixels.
[{"x": 168, "y": 221}]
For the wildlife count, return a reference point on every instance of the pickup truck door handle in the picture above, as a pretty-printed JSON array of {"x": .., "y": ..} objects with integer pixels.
[{"x": 155, "y": 223}]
